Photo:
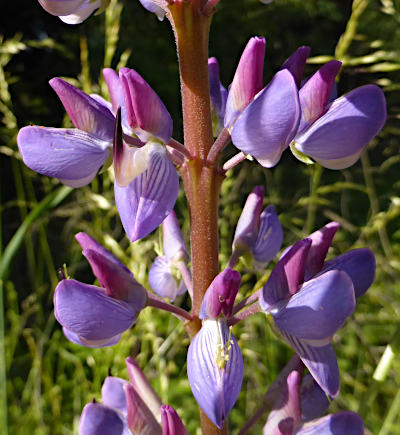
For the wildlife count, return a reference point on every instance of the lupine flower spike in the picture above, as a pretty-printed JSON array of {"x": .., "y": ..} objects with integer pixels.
[{"x": 96, "y": 316}]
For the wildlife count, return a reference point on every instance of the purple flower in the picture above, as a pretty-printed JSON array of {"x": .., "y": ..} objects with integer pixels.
[
  {"x": 215, "y": 370},
  {"x": 309, "y": 300},
  {"x": 296, "y": 62},
  {"x": 96, "y": 316},
  {"x": 153, "y": 7},
  {"x": 335, "y": 134},
  {"x": 130, "y": 408},
  {"x": 258, "y": 233},
  {"x": 73, "y": 155},
  {"x": 165, "y": 276},
  {"x": 285, "y": 418},
  {"x": 220, "y": 295},
  {"x": 72, "y": 11}
]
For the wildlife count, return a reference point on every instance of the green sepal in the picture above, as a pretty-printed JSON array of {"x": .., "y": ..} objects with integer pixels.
[{"x": 300, "y": 156}]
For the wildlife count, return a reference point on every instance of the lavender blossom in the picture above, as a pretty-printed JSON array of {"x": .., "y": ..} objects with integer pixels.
[
  {"x": 96, "y": 316},
  {"x": 310, "y": 300},
  {"x": 215, "y": 370},
  {"x": 218, "y": 96},
  {"x": 73, "y": 155},
  {"x": 154, "y": 8},
  {"x": 335, "y": 134},
  {"x": 165, "y": 276}
]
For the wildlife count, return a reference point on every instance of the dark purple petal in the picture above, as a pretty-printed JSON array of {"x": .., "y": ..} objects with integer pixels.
[
  {"x": 144, "y": 108},
  {"x": 152, "y": 7},
  {"x": 321, "y": 240},
  {"x": 342, "y": 423},
  {"x": 149, "y": 198},
  {"x": 113, "y": 393},
  {"x": 248, "y": 79},
  {"x": 173, "y": 243},
  {"x": 249, "y": 222},
  {"x": 314, "y": 402},
  {"x": 140, "y": 419},
  {"x": 218, "y": 96},
  {"x": 359, "y": 264},
  {"x": 60, "y": 7},
  {"x": 162, "y": 280},
  {"x": 268, "y": 124},
  {"x": 269, "y": 240},
  {"x": 113, "y": 276},
  {"x": 318, "y": 309},
  {"x": 85, "y": 112},
  {"x": 87, "y": 311},
  {"x": 286, "y": 412},
  {"x": 220, "y": 295},
  {"x": 314, "y": 95},
  {"x": 337, "y": 139},
  {"x": 287, "y": 276},
  {"x": 320, "y": 361},
  {"x": 171, "y": 423},
  {"x": 71, "y": 155},
  {"x": 74, "y": 338},
  {"x": 215, "y": 370},
  {"x": 296, "y": 62},
  {"x": 143, "y": 387},
  {"x": 98, "y": 419}
]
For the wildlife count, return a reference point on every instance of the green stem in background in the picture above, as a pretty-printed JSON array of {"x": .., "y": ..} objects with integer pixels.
[
  {"x": 316, "y": 173},
  {"x": 49, "y": 202},
  {"x": 202, "y": 182},
  {"x": 374, "y": 202}
]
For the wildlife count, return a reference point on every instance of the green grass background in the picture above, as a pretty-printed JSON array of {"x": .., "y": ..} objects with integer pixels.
[{"x": 46, "y": 379}]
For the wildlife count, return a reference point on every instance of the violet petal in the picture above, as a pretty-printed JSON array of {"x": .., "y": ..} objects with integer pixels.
[
  {"x": 87, "y": 311},
  {"x": 84, "y": 11},
  {"x": 287, "y": 276},
  {"x": 71, "y": 155},
  {"x": 161, "y": 279},
  {"x": 173, "y": 243},
  {"x": 268, "y": 124},
  {"x": 98, "y": 419},
  {"x": 57, "y": 7},
  {"x": 218, "y": 96},
  {"x": 74, "y": 338},
  {"x": 149, "y": 198},
  {"x": 314, "y": 401},
  {"x": 248, "y": 79},
  {"x": 215, "y": 370},
  {"x": 318, "y": 309},
  {"x": 296, "y": 62},
  {"x": 269, "y": 240},
  {"x": 85, "y": 112},
  {"x": 321, "y": 363},
  {"x": 113, "y": 393},
  {"x": 337, "y": 139},
  {"x": 345, "y": 422},
  {"x": 152, "y": 7},
  {"x": 359, "y": 264}
]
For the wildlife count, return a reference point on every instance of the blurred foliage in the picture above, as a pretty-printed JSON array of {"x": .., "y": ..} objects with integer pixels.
[{"x": 50, "y": 379}]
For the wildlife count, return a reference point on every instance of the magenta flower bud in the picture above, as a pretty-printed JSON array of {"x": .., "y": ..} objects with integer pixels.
[
  {"x": 171, "y": 423},
  {"x": 296, "y": 62},
  {"x": 215, "y": 370},
  {"x": 141, "y": 421},
  {"x": 143, "y": 388},
  {"x": 248, "y": 79},
  {"x": 220, "y": 295},
  {"x": 286, "y": 413}
]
